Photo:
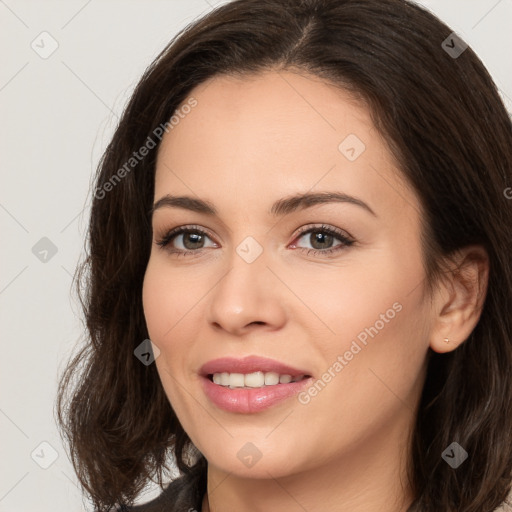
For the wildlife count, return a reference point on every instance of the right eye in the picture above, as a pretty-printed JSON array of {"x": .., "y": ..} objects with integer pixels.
[{"x": 187, "y": 239}]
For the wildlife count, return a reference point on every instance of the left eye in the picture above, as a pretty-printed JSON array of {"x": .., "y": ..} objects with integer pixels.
[{"x": 321, "y": 239}]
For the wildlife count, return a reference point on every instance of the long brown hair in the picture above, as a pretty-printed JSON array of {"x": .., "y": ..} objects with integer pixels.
[{"x": 445, "y": 123}]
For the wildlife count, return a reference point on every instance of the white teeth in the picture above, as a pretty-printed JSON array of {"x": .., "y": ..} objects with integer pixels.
[
  {"x": 253, "y": 380},
  {"x": 271, "y": 378},
  {"x": 236, "y": 380}
]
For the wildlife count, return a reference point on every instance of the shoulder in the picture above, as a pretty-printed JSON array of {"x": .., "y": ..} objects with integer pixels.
[{"x": 182, "y": 494}]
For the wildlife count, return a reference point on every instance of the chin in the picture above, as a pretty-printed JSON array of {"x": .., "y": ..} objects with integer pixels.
[{"x": 255, "y": 457}]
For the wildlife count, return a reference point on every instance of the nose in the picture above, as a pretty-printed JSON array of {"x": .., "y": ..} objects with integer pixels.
[{"x": 249, "y": 296}]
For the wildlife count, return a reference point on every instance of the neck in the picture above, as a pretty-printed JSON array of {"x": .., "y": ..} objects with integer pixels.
[{"x": 372, "y": 476}]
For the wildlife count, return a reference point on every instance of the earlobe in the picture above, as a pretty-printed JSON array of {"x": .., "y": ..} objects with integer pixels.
[{"x": 459, "y": 299}]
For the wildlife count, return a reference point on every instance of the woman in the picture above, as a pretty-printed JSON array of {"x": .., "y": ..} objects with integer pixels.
[{"x": 305, "y": 209}]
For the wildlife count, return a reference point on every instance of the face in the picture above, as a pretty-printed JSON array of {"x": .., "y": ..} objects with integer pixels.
[{"x": 329, "y": 286}]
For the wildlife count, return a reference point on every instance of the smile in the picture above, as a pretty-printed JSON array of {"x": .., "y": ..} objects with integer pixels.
[
  {"x": 251, "y": 384},
  {"x": 253, "y": 380}
]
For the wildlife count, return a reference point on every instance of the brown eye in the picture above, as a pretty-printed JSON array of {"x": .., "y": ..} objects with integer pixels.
[
  {"x": 192, "y": 240},
  {"x": 322, "y": 240},
  {"x": 185, "y": 240}
]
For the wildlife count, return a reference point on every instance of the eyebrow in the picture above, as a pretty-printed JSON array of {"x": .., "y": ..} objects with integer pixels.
[{"x": 281, "y": 207}]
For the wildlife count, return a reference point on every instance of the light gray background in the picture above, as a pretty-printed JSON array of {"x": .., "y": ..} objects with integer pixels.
[{"x": 57, "y": 115}]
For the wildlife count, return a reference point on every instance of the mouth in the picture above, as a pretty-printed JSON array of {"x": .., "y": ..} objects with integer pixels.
[
  {"x": 251, "y": 372},
  {"x": 255, "y": 398},
  {"x": 251, "y": 384},
  {"x": 258, "y": 379}
]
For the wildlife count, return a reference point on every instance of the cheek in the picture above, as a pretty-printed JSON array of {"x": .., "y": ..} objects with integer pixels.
[
  {"x": 155, "y": 302},
  {"x": 167, "y": 299},
  {"x": 373, "y": 315},
  {"x": 164, "y": 307},
  {"x": 348, "y": 298},
  {"x": 372, "y": 372},
  {"x": 173, "y": 313}
]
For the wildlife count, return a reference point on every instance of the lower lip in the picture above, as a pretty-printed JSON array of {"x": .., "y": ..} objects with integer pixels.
[{"x": 251, "y": 400}]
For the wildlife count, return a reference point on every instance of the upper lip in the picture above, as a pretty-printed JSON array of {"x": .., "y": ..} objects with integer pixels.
[{"x": 249, "y": 364}]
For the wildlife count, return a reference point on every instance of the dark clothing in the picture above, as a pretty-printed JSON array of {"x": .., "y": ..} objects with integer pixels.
[{"x": 185, "y": 494}]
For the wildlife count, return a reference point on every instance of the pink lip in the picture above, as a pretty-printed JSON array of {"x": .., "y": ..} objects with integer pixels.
[
  {"x": 247, "y": 401},
  {"x": 249, "y": 364}
]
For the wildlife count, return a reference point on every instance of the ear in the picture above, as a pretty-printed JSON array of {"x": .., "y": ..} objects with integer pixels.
[{"x": 459, "y": 299}]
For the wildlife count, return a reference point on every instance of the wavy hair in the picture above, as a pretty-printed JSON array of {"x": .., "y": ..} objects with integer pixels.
[{"x": 445, "y": 123}]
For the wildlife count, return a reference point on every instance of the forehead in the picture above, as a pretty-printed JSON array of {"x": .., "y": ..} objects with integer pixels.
[{"x": 274, "y": 134}]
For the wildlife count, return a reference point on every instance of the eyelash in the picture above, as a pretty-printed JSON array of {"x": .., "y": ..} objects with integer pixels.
[{"x": 170, "y": 235}]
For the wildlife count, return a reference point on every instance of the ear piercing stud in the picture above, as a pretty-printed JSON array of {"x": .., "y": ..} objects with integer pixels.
[{"x": 446, "y": 340}]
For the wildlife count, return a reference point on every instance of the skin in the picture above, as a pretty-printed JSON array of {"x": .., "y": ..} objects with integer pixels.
[{"x": 249, "y": 142}]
